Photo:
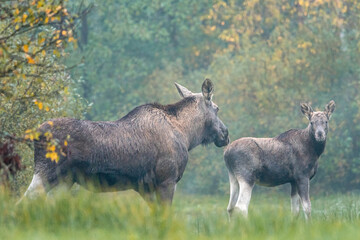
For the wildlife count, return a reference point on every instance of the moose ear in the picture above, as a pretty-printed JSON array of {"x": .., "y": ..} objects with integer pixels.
[
  {"x": 329, "y": 109},
  {"x": 306, "y": 110},
  {"x": 183, "y": 91},
  {"x": 207, "y": 89}
]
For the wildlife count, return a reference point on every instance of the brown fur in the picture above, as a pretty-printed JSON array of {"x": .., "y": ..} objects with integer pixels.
[
  {"x": 290, "y": 157},
  {"x": 146, "y": 150}
]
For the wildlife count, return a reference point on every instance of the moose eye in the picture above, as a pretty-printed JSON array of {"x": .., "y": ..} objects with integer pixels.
[{"x": 312, "y": 123}]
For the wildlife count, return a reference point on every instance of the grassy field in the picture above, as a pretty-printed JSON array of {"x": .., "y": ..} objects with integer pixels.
[{"x": 127, "y": 216}]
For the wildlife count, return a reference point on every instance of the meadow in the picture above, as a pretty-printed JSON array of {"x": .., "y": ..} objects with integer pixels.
[{"x": 85, "y": 215}]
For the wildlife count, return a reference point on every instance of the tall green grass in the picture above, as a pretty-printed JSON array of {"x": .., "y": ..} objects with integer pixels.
[{"x": 126, "y": 216}]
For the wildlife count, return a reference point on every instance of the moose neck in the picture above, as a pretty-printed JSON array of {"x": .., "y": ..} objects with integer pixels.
[
  {"x": 314, "y": 146},
  {"x": 191, "y": 124}
]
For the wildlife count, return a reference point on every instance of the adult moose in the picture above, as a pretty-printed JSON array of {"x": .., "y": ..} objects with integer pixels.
[
  {"x": 146, "y": 150},
  {"x": 292, "y": 157}
]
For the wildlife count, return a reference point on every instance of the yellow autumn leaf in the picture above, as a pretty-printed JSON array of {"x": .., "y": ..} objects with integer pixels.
[
  {"x": 41, "y": 40},
  {"x": 40, "y": 105},
  {"x": 65, "y": 143},
  {"x": 47, "y": 109},
  {"x": 51, "y": 123},
  {"x": 26, "y": 48},
  {"x": 53, "y": 156},
  {"x": 29, "y": 136},
  {"x": 40, "y": 4},
  {"x": 64, "y": 33},
  {"x": 51, "y": 148},
  {"x": 30, "y": 59},
  {"x": 24, "y": 17}
]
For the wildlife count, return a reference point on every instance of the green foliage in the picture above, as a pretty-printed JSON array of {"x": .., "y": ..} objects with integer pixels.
[
  {"x": 265, "y": 58},
  {"x": 34, "y": 83},
  {"x": 126, "y": 216},
  {"x": 129, "y": 41}
]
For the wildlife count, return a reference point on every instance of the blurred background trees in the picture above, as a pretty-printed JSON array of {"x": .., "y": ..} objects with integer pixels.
[{"x": 264, "y": 57}]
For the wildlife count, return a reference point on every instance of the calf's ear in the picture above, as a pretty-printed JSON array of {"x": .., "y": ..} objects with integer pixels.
[
  {"x": 207, "y": 89},
  {"x": 307, "y": 110},
  {"x": 183, "y": 91},
  {"x": 329, "y": 108}
]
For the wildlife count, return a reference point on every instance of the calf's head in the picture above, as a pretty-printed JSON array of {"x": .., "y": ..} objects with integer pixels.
[
  {"x": 213, "y": 130},
  {"x": 319, "y": 121}
]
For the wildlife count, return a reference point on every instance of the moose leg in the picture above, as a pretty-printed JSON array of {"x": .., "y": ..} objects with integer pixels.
[
  {"x": 148, "y": 196},
  {"x": 295, "y": 200},
  {"x": 36, "y": 187},
  {"x": 234, "y": 193},
  {"x": 243, "y": 201},
  {"x": 303, "y": 187},
  {"x": 59, "y": 188},
  {"x": 165, "y": 192}
]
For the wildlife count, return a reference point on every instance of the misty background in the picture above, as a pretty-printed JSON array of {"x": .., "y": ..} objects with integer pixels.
[{"x": 264, "y": 58}]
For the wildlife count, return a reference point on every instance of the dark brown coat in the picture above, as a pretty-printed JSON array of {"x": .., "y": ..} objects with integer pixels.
[{"x": 147, "y": 150}]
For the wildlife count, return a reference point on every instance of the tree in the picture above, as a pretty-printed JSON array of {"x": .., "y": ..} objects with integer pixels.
[{"x": 34, "y": 83}]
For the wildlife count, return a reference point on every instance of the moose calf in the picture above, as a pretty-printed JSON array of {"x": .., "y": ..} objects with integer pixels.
[{"x": 292, "y": 157}]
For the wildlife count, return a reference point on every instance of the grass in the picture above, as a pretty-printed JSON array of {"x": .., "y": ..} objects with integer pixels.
[{"x": 126, "y": 216}]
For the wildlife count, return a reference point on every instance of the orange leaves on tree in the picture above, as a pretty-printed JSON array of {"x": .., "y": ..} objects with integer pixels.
[
  {"x": 24, "y": 17},
  {"x": 39, "y": 104},
  {"x": 41, "y": 40},
  {"x": 30, "y": 59},
  {"x": 26, "y": 48},
  {"x": 52, "y": 154},
  {"x": 31, "y": 134}
]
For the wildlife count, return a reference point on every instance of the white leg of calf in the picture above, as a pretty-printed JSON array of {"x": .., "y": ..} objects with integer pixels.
[
  {"x": 306, "y": 205},
  {"x": 242, "y": 204},
  {"x": 295, "y": 204},
  {"x": 234, "y": 193},
  {"x": 36, "y": 187}
]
